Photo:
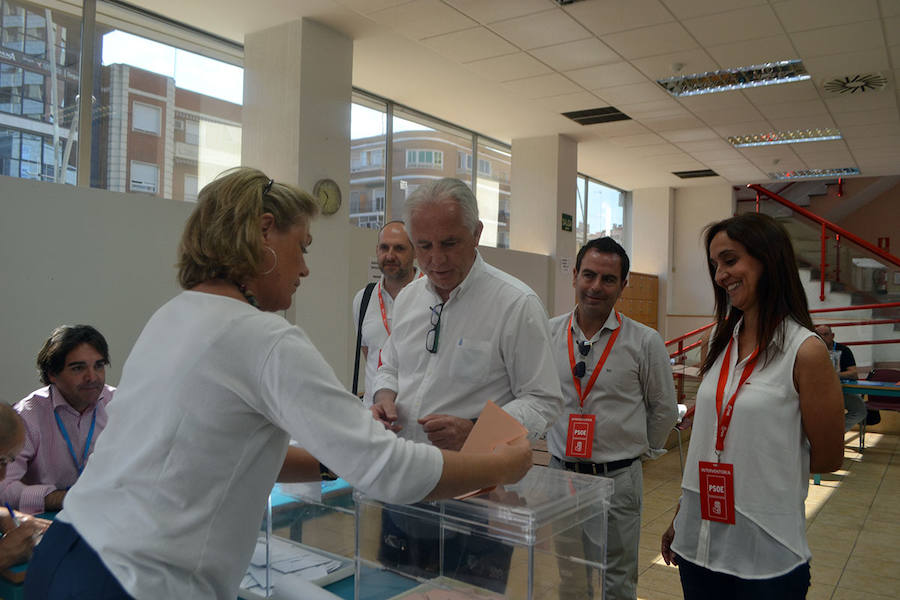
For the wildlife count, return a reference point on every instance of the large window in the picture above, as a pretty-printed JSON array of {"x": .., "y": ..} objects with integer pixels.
[
  {"x": 189, "y": 104},
  {"x": 415, "y": 148},
  {"x": 38, "y": 85},
  {"x": 368, "y": 144},
  {"x": 600, "y": 211}
]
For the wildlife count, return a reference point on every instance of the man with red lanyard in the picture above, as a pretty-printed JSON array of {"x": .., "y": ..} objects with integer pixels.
[
  {"x": 62, "y": 420},
  {"x": 619, "y": 406},
  {"x": 395, "y": 260}
]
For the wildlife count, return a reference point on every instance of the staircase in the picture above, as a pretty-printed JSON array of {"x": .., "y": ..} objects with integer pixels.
[{"x": 854, "y": 275}]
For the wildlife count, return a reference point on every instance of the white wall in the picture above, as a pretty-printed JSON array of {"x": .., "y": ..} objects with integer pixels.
[
  {"x": 651, "y": 240},
  {"x": 690, "y": 297},
  {"x": 74, "y": 255}
]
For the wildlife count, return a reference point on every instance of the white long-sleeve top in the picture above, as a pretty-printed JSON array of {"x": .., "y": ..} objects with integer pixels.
[{"x": 173, "y": 496}]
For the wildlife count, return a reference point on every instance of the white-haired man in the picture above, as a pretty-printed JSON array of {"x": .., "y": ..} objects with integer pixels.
[{"x": 464, "y": 334}]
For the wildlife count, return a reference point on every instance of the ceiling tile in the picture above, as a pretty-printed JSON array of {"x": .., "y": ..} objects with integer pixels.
[
  {"x": 729, "y": 154},
  {"x": 369, "y": 6},
  {"x": 678, "y": 63},
  {"x": 610, "y": 75},
  {"x": 858, "y": 132},
  {"x": 470, "y": 44},
  {"x": 683, "y": 137},
  {"x": 726, "y": 163},
  {"x": 616, "y": 128},
  {"x": 541, "y": 29},
  {"x": 662, "y": 125},
  {"x": 744, "y": 128},
  {"x": 892, "y": 142},
  {"x": 873, "y": 101},
  {"x": 650, "y": 41},
  {"x": 801, "y": 15},
  {"x": 814, "y": 121},
  {"x": 608, "y": 16},
  {"x": 542, "y": 86},
  {"x": 423, "y": 18},
  {"x": 644, "y": 139},
  {"x": 793, "y": 109},
  {"x": 725, "y": 117},
  {"x": 511, "y": 66},
  {"x": 753, "y": 52},
  {"x": 663, "y": 153},
  {"x": 576, "y": 55},
  {"x": 892, "y": 31},
  {"x": 718, "y": 145},
  {"x": 822, "y": 149},
  {"x": 750, "y": 23},
  {"x": 634, "y": 93},
  {"x": 569, "y": 102},
  {"x": 797, "y": 91},
  {"x": 849, "y": 63},
  {"x": 869, "y": 117},
  {"x": 686, "y": 9},
  {"x": 497, "y": 10},
  {"x": 853, "y": 37},
  {"x": 651, "y": 115},
  {"x": 717, "y": 101}
]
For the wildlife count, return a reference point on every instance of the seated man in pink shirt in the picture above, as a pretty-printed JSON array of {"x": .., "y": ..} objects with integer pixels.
[{"x": 62, "y": 420}]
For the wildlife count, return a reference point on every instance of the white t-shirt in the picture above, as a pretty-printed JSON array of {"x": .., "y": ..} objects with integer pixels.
[
  {"x": 770, "y": 453},
  {"x": 494, "y": 344},
  {"x": 173, "y": 496}
]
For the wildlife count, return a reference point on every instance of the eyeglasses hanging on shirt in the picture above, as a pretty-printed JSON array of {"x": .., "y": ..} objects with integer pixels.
[
  {"x": 433, "y": 335},
  {"x": 583, "y": 348}
]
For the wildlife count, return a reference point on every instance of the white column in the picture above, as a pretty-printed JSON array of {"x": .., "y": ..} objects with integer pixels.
[
  {"x": 296, "y": 128},
  {"x": 544, "y": 175},
  {"x": 652, "y": 240}
]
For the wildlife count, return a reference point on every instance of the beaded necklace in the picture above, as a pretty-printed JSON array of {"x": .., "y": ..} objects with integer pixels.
[{"x": 247, "y": 294}]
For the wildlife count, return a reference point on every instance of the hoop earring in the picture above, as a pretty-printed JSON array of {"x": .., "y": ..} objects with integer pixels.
[{"x": 269, "y": 272}]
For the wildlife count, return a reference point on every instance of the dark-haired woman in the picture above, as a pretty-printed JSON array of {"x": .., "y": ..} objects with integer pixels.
[
  {"x": 170, "y": 503},
  {"x": 769, "y": 412}
]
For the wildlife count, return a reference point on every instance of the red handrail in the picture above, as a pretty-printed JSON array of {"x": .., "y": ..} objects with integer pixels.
[
  {"x": 859, "y": 307},
  {"x": 690, "y": 333},
  {"x": 827, "y": 224},
  {"x": 852, "y": 323},
  {"x": 871, "y": 342}
]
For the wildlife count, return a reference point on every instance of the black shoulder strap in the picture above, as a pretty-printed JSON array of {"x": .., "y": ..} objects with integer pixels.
[{"x": 363, "y": 305}]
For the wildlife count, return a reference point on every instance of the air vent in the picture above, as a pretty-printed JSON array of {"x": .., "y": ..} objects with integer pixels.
[
  {"x": 593, "y": 116},
  {"x": 855, "y": 84},
  {"x": 695, "y": 174}
]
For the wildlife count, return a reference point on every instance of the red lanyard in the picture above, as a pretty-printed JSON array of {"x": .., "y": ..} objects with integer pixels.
[
  {"x": 384, "y": 318},
  {"x": 383, "y": 311},
  {"x": 600, "y": 363},
  {"x": 724, "y": 419}
]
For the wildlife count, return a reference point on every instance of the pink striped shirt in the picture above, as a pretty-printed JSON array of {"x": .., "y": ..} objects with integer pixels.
[{"x": 45, "y": 463}]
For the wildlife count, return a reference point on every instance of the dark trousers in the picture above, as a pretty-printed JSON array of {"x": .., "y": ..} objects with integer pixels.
[
  {"x": 699, "y": 583},
  {"x": 64, "y": 567}
]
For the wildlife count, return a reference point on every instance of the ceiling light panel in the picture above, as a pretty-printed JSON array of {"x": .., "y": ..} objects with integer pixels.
[
  {"x": 784, "y": 71},
  {"x": 812, "y": 173},
  {"x": 794, "y": 136}
]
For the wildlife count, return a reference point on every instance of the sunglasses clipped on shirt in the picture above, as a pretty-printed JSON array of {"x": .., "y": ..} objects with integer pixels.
[
  {"x": 433, "y": 335},
  {"x": 580, "y": 367}
]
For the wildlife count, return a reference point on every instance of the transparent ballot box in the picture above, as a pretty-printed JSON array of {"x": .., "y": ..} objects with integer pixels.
[
  {"x": 542, "y": 538},
  {"x": 306, "y": 539}
]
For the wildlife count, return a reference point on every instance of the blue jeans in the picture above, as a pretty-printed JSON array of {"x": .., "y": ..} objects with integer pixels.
[
  {"x": 700, "y": 583},
  {"x": 65, "y": 567}
]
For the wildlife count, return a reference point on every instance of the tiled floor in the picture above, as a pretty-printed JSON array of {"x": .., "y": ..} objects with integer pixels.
[{"x": 852, "y": 520}]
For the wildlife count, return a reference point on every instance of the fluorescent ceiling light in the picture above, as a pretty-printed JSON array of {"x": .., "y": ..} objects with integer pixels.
[
  {"x": 794, "y": 136},
  {"x": 784, "y": 71},
  {"x": 807, "y": 173}
]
